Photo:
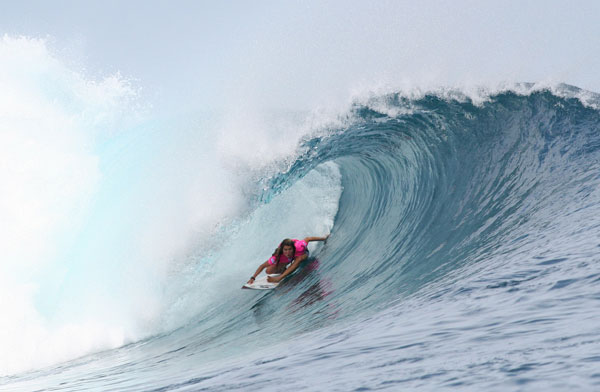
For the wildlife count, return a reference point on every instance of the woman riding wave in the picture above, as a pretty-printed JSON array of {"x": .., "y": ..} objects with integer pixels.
[{"x": 290, "y": 252}]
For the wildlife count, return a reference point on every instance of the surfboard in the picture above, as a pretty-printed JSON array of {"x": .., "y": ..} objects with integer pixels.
[{"x": 261, "y": 283}]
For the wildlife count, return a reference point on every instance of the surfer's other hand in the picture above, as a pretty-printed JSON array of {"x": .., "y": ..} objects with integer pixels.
[{"x": 273, "y": 279}]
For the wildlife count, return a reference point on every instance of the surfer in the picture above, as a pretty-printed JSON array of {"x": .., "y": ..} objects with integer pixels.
[{"x": 290, "y": 252}]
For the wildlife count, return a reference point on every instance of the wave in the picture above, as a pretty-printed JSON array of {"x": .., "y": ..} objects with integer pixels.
[
  {"x": 420, "y": 197},
  {"x": 426, "y": 198},
  {"x": 421, "y": 191},
  {"x": 433, "y": 185}
]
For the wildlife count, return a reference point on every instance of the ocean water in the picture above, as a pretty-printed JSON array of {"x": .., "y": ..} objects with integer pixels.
[{"x": 464, "y": 255}]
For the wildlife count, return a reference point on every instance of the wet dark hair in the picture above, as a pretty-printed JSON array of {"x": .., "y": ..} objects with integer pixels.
[{"x": 279, "y": 250}]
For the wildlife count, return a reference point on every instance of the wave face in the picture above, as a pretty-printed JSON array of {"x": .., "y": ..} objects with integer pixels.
[{"x": 464, "y": 252}]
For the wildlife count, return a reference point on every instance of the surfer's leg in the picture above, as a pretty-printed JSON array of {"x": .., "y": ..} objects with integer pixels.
[{"x": 275, "y": 269}]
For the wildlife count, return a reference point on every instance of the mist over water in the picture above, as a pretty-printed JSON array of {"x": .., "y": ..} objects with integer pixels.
[{"x": 101, "y": 196}]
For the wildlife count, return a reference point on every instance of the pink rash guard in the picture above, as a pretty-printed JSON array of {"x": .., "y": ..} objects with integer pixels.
[
  {"x": 301, "y": 248},
  {"x": 282, "y": 260}
]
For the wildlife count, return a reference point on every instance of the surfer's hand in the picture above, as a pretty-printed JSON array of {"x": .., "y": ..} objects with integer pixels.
[
  {"x": 251, "y": 280},
  {"x": 273, "y": 279}
]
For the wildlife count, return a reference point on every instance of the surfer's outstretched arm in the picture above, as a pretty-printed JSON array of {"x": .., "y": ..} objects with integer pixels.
[
  {"x": 258, "y": 271},
  {"x": 310, "y": 239}
]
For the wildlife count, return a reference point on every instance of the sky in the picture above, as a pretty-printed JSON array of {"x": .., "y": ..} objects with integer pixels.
[{"x": 299, "y": 55}]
